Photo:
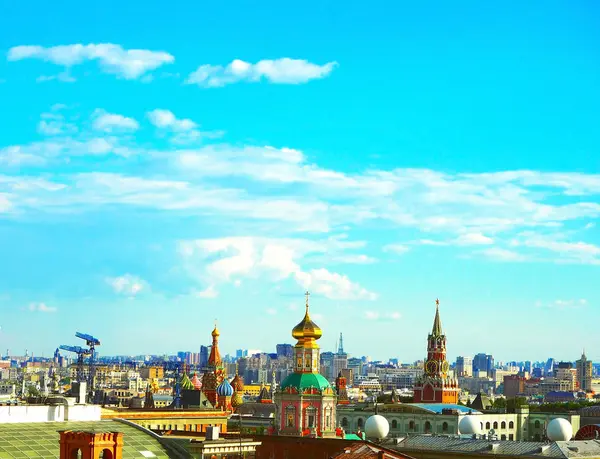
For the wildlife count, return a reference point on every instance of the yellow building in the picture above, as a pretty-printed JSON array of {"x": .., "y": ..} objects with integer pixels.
[{"x": 254, "y": 389}]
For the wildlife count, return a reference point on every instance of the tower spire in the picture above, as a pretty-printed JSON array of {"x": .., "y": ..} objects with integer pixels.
[
  {"x": 437, "y": 323},
  {"x": 307, "y": 294},
  {"x": 341, "y": 345}
]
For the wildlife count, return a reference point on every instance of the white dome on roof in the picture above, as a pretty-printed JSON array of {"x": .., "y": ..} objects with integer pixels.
[
  {"x": 469, "y": 425},
  {"x": 377, "y": 427},
  {"x": 559, "y": 429}
]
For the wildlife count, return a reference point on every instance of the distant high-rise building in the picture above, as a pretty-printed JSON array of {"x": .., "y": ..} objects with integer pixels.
[
  {"x": 549, "y": 367},
  {"x": 584, "y": 373},
  {"x": 483, "y": 363},
  {"x": 204, "y": 353},
  {"x": 464, "y": 366},
  {"x": 356, "y": 365},
  {"x": 340, "y": 359},
  {"x": 285, "y": 350},
  {"x": 327, "y": 364}
]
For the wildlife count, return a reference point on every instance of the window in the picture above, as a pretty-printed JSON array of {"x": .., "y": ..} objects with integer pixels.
[
  {"x": 344, "y": 422},
  {"x": 445, "y": 427},
  {"x": 76, "y": 454},
  {"x": 106, "y": 454},
  {"x": 503, "y": 425},
  {"x": 359, "y": 423},
  {"x": 411, "y": 425},
  {"x": 394, "y": 424},
  {"x": 290, "y": 415},
  {"x": 427, "y": 427},
  {"x": 502, "y": 437},
  {"x": 487, "y": 426},
  {"x": 496, "y": 425},
  {"x": 511, "y": 437},
  {"x": 537, "y": 424},
  {"x": 311, "y": 416},
  {"x": 511, "y": 425}
]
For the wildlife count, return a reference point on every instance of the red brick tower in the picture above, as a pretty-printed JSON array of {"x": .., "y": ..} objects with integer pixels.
[{"x": 435, "y": 386}]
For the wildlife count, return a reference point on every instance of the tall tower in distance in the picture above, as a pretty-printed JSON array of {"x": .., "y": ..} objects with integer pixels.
[
  {"x": 584, "y": 373},
  {"x": 435, "y": 386}
]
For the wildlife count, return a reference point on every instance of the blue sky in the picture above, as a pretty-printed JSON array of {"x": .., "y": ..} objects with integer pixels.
[{"x": 163, "y": 168}]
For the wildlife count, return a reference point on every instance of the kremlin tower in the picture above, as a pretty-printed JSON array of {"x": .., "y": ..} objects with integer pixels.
[
  {"x": 305, "y": 401},
  {"x": 213, "y": 378},
  {"x": 435, "y": 386}
]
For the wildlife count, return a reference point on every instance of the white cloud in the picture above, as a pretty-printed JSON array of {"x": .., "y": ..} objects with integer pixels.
[
  {"x": 208, "y": 292},
  {"x": 271, "y": 311},
  {"x": 165, "y": 119},
  {"x": 228, "y": 259},
  {"x": 127, "y": 285},
  {"x": 500, "y": 254},
  {"x": 371, "y": 315},
  {"x": 279, "y": 71},
  {"x": 398, "y": 249},
  {"x": 473, "y": 239},
  {"x": 126, "y": 63},
  {"x": 109, "y": 122},
  {"x": 358, "y": 259},
  {"x": 41, "y": 307},
  {"x": 15, "y": 156},
  {"x": 374, "y": 315},
  {"x": 562, "y": 304}
]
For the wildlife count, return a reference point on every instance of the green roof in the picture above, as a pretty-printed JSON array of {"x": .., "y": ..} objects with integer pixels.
[
  {"x": 303, "y": 381},
  {"x": 40, "y": 440}
]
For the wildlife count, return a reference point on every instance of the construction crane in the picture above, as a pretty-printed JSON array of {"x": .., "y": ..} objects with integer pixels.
[
  {"x": 81, "y": 354},
  {"x": 91, "y": 343}
]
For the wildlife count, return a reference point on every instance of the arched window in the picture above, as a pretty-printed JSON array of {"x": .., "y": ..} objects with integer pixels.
[
  {"x": 394, "y": 424},
  {"x": 427, "y": 427},
  {"x": 487, "y": 426},
  {"x": 359, "y": 423},
  {"x": 106, "y": 454},
  {"x": 481, "y": 424},
  {"x": 495, "y": 425},
  {"x": 537, "y": 424},
  {"x": 503, "y": 425},
  {"x": 511, "y": 425},
  {"x": 502, "y": 437},
  {"x": 445, "y": 427},
  {"x": 344, "y": 422},
  {"x": 290, "y": 416},
  {"x": 411, "y": 425},
  {"x": 76, "y": 454}
]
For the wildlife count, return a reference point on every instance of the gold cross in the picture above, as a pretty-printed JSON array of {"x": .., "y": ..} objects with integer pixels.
[
  {"x": 307, "y": 295},
  {"x": 437, "y": 302}
]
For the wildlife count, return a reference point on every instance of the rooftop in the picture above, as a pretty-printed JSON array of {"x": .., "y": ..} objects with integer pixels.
[
  {"x": 40, "y": 440},
  {"x": 456, "y": 446}
]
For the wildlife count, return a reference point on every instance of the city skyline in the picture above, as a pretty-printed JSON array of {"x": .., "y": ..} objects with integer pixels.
[{"x": 151, "y": 183}]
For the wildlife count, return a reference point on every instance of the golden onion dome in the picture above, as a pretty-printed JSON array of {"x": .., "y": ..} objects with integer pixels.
[
  {"x": 215, "y": 333},
  {"x": 307, "y": 329}
]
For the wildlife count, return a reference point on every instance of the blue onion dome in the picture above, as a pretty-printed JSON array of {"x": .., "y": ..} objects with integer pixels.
[{"x": 225, "y": 389}]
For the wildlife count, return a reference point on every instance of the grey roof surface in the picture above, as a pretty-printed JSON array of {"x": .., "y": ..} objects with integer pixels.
[
  {"x": 40, "y": 439},
  {"x": 564, "y": 449}
]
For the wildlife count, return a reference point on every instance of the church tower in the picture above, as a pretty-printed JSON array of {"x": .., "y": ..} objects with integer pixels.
[
  {"x": 215, "y": 375},
  {"x": 435, "y": 386},
  {"x": 305, "y": 401}
]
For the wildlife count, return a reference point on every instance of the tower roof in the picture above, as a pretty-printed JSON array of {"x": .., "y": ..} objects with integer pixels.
[
  {"x": 307, "y": 331},
  {"x": 437, "y": 323},
  {"x": 214, "y": 359}
]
